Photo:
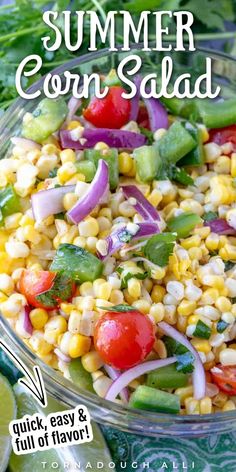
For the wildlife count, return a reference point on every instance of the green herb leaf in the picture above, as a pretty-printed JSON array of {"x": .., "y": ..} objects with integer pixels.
[
  {"x": 149, "y": 134},
  {"x": 202, "y": 330},
  {"x": 172, "y": 172},
  {"x": 221, "y": 326},
  {"x": 185, "y": 362},
  {"x": 53, "y": 173},
  {"x": 184, "y": 356},
  {"x": 210, "y": 215},
  {"x": 130, "y": 275},
  {"x": 211, "y": 13},
  {"x": 181, "y": 176},
  {"x": 183, "y": 224},
  {"x": 159, "y": 248},
  {"x": 229, "y": 265},
  {"x": 62, "y": 289},
  {"x": 125, "y": 236},
  {"x": 121, "y": 308}
]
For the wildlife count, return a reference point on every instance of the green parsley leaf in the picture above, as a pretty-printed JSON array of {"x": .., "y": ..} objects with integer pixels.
[
  {"x": 120, "y": 308},
  {"x": 53, "y": 173},
  {"x": 202, "y": 330},
  {"x": 210, "y": 215},
  {"x": 229, "y": 265},
  {"x": 62, "y": 289},
  {"x": 221, "y": 326},
  {"x": 184, "y": 356},
  {"x": 130, "y": 275},
  {"x": 185, "y": 362},
  {"x": 183, "y": 224},
  {"x": 159, "y": 248},
  {"x": 125, "y": 236},
  {"x": 149, "y": 134},
  {"x": 172, "y": 172},
  {"x": 211, "y": 13}
]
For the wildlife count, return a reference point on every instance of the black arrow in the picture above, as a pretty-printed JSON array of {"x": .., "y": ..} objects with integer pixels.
[{"x": 33, "y": 382}]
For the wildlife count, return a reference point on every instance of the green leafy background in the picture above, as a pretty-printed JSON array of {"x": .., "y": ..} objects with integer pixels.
[{"x": 21, "y": 28}]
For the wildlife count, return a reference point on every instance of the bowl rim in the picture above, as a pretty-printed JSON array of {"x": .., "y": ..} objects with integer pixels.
[{"x": 54, "y": 380}]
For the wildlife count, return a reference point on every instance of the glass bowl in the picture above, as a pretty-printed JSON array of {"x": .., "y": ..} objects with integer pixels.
[{"x": 103, "y": 411}]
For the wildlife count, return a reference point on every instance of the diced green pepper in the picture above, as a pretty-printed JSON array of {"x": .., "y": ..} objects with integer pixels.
[
  {"x": 185, "y": 108},
  {"x": 9, "y": 202},
  {"x": 196, "y": 156},
  {"x": 202, "y": 330},
  {"x": 87, "y": 168},
  {"x": 167, "y": 377},
  {"x": 80, "y": 376},
  {"x": 148, "y": 162},
  {"x": 217, "y": 114},
  {"x": 147, "y": 398},
  {"x": 175, "y": 143},
  {"x": 77, "y": 263},
  {"x": 45, "y": 120},
  {"x": 183, "y": 224},
  {"x": 111, "y": 157}
]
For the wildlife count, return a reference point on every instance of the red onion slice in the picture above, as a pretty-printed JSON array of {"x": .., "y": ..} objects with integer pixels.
[
  {"x": 63, "y": 357},
  {"x": 114, "y": 374},
  {"x": 116, "y": 138},
  {"x": 73, "y": 105},
  {"x": 24, "y": 321},
  {"x": 157, "y": 113},
  {"x": 220, "y": 226},
  {"x": 135, "y": 101},
  {"x": 143, "y": 206},
  {"x": 131, "y": 374},
  {"x": 114, "y": 243},
  {"x": 94, "y": 195},
  {"x": 49, "y": 202},
  {"x": 26, "y": 144},
  {"x": 199, "y": 377}
]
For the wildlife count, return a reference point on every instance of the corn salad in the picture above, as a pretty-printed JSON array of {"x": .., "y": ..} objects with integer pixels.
[{"x": 192, "y": 288}]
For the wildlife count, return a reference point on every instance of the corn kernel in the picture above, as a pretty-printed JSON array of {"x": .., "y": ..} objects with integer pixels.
[
  {"x": 91, "y": 361},
  {"x": 79, "y": 345},
  {"x": 88, "y": 227},
  {"x": 104, "y": 291},
  {"x": 233, "y": 165},
  {"x": 186, "y": 307},
  {"x": 223, "y": 304},
  {"x": 67, "y": 155},
  {"x": 157, "y": 311},
  {"x": 125, "y": 163},
  {"x": 192, "y": 242},
  {"x": 184, "y": 393},
  {"x": 38, "y": 318},
  {"x": 65, "y": 172},
  {"x": 134, "y": 287},
  {"x": 205, "y": 406},
  {"x": 69, "y": 200},
  {"x": 142, "y": 305},
  {"x": 229, "y": 405},
  {"x": 201, "y": 345}
]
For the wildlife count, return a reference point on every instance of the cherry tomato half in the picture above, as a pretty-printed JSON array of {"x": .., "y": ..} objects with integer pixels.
[
  {"x": 226, "y": 379},
  {"x": 112, "y": 111},
  {"x": 224, "y": 135},
  {"x": 124, "y": 339},
  {"x": 33, "y": 283}
]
